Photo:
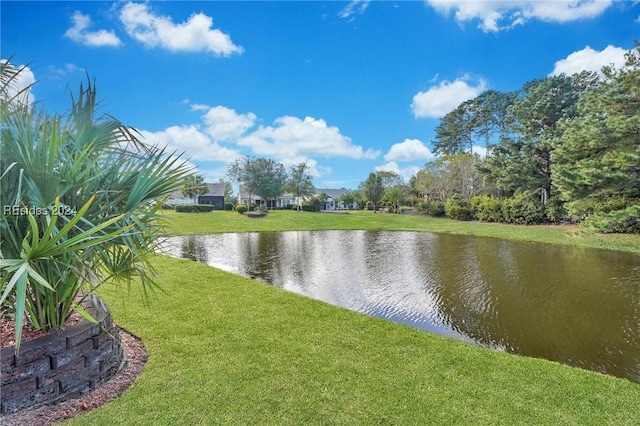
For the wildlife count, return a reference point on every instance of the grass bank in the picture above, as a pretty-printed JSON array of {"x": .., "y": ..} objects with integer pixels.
[
  {"x": 227, "y": 350},
  {"x": 283, "y": 220}
]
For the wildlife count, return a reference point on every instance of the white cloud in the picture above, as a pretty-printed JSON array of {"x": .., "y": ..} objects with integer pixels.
[
  {"x": 354, "y": 7},
  {"x": 224, "y": 124},
  {"x": 212, "y": 174},
  {"x": 196, "y": 107},
  {"x": 291, "y": 137},
  {"x": 404, "y": 172},
  {"x": 194, "y": 35},
  {"x": 188, "y": 139},
  {"x": 409, "y": 150},
  {"x": 21, "y": 82},
  {"x": 289, "y": 140},
  {"x": 441, "y": 99},
  {"x": 312, "y": 165},
  {"x": 78, "y": 33},
  {"x": 64, "y": 70},
  {"x": 504, "y": 14},
  {"x": 480, "y": 150},
  {"x": 588, "y": 59}
]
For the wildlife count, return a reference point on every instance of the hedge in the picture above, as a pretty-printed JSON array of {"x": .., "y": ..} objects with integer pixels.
[{"x": 195, "y": 208}]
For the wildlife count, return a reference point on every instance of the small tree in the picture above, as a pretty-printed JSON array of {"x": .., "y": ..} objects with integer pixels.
[
  {"x": 228, "y": 191},
  {"x": 373, "y": 188},
  {"x": 348, "y": 198},
  {"x": 263, "y": 177},
  {"x": 300, "y": 183},
  {"x": 268, "y": 177}
]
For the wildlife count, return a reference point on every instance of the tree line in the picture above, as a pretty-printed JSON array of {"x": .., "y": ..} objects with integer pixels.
[{"x": 560, "y": 149}]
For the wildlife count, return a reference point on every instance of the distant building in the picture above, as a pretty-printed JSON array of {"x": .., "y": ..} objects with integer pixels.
[
  {"x": 177, "y": 199},
  {"x": 333, "y": 202},
  {"x": 213, "y": 196},
  {"x": 281, "y": 202}
]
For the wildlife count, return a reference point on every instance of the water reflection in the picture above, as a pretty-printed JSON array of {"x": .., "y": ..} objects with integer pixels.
[{"x": 577, "y": 306}]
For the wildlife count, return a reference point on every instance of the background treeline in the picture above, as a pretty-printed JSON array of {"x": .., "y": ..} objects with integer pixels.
[{"x": 560, "y": 149}]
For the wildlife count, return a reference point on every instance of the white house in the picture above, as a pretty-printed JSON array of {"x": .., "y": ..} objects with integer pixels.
[
  {"x": 283, "y": 201},
  {"x": 177, "y": 199},
  {"x": 333, "y": 201}
]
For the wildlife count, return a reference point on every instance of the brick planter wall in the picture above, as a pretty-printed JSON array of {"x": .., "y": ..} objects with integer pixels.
[{"x": 61, "y": 365}]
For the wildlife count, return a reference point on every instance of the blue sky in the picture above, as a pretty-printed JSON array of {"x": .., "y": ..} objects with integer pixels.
[{"x": 348, "y": 87}]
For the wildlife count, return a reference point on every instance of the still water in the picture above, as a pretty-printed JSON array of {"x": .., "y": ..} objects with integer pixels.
[{"x": 577, "y": 306}]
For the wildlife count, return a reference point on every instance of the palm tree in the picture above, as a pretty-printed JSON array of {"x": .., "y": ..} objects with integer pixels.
[
  {"x": 79, "y": 206},
  {"x": 395, "y": 196}
]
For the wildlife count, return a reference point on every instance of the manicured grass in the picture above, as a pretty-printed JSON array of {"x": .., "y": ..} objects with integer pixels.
[
  {"x": 283, "y": 220},
  {"x": 227, "y": 350}
]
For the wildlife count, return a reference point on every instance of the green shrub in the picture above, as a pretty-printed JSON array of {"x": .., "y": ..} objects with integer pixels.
[
  {"x": 579, "y": 210},
  {"x": 555, "y": 211},
  {"x": 523, "y": 209},
  {"x": 486, "y": 208},
  {"x": 228, "y": 206},
  {"x": 406, "y": 209},
  {"x": 195, "y": 208},
  {"x": 626, "y": 221},
  {"x": 435, "y": 208},
  {"x": 241, "y": 208},
  {"x": 456, "y": 209}
]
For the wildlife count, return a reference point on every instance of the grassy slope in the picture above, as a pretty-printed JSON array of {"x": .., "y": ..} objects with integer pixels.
[
  {"x": 227, "y": 350},
  {"x": 207, "y": 223}
]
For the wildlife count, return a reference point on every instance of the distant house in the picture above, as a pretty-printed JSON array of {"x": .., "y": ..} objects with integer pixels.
[
  {"x": 282, "y": 201},
  {"x": 245, "y": 198},
  {"x": 213, "y": 196},
  {"x": 177, "y": 199},
  {"x": 334, "y": 202},
  {"x": 288, "y": 200}
]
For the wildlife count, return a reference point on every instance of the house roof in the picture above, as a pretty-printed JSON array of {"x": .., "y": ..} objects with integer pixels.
[
  {"x": 333, "y": 193},
  {"x": 215, "y": 189}
]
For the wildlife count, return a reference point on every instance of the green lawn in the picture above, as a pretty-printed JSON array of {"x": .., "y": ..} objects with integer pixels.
[
  {"x": 227, "y": 350},
  {"x": 283, "y": 220}
]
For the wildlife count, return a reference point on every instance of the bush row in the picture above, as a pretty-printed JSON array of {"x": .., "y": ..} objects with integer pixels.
[
  {"x": 608, "y": 215},
  {"x": 195, "y": 208},
  {"x": 521, "y": 209}
]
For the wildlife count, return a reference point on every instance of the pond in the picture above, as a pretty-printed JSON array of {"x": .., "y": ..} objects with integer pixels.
[{"x": 577, "y": 306}]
